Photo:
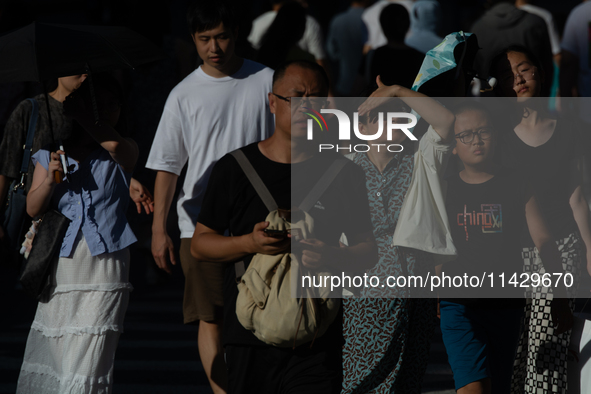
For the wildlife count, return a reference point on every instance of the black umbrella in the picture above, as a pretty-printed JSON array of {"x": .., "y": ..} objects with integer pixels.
[{"x": 42, "y": 51}]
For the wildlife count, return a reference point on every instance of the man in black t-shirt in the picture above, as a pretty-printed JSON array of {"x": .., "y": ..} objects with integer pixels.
[{"x": 231, "y": 204}]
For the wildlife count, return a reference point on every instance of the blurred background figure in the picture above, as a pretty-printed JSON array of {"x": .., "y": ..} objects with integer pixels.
[
  {"x": 424, "y": 23},
  {"x": 395, "y": 62},
  {"x": 280, "y": 42},
  {"x": 503, "y": 25},
  {"x": 575, "y": 77},
  {"x": 312, "y": 41},
  {"x": 346, "y": 36},
  {"x": 575, "y": 73},
  {"x": 526, "y": 5},
  {"x": 371, "y": 18}
]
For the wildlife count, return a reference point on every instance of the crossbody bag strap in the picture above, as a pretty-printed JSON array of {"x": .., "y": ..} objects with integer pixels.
[
  {"x": 28, "y": 148},
  {"x": 255, "y": 180},
  {"x": 322, "y": 184},
  {"x": 262, "y": 191}
]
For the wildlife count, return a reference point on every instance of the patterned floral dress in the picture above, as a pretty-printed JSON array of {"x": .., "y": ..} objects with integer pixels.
[{"x": 387, "y": 339}]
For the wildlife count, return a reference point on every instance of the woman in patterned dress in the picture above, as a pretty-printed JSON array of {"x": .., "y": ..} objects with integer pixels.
[
  {"x": 545, "y": 148},
  {"x": 387, "y": 339}
]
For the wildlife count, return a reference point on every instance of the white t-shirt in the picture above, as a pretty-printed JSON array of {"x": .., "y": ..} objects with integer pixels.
[
  {"x": 547, "y": 17},
  {"x": 371, "y": 17},
  {"x": 312, "y": 41},
  {"x": 203, "y": 119}
]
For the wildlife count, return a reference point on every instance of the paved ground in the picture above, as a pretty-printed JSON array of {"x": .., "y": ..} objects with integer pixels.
[{"x": 156, "y": 354}]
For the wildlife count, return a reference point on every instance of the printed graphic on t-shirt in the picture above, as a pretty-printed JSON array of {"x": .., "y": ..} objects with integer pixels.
[{"x": 489, "y": 219}]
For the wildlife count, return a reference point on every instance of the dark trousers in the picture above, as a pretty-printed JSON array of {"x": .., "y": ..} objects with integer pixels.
[{"x": 274, "y": 370}]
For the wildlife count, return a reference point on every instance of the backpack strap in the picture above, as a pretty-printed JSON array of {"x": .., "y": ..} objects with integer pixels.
[
  {"x": 30, "y": 134},
  {"x": 322, "y": 184},
  {"x": 255, "y": 180}
]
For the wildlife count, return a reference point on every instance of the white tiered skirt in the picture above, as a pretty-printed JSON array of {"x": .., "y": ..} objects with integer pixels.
[{"x": 72, "y": 342}]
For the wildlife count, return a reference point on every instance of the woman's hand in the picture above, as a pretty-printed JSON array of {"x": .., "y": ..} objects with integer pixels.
[
  {"x": 55, "y": 165},
  {"x": 379, "y": 97},
  {"x": 141, "y": 196}
]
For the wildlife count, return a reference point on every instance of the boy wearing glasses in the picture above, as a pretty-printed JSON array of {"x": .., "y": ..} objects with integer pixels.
[
  {"x": 219, "y": 107},
  {"x": 487, "y": 208}
]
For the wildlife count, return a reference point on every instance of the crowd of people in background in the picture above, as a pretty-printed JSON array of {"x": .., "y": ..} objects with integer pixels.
[{"x": 230, "y": 81}]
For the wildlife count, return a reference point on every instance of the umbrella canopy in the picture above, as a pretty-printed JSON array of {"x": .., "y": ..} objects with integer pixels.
[{"x": 42, "y": 51}]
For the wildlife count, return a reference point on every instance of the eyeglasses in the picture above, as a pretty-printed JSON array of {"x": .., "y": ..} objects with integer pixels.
[
  {"x": 314, "y": 102},
  {"x": 468, "y": 136},
  {"x": 527, "y": 74}
]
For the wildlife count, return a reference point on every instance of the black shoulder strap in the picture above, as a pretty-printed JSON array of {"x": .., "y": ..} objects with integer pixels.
[
  {"x": 255, "y": 180},
  {"x": 322, "y": 184},
  {"x": 308, "y": 202},
  {"x": 30, "y": 134}
]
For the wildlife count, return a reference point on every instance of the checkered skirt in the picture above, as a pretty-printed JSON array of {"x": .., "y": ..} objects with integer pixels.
[{"x": 541, "y": 361}]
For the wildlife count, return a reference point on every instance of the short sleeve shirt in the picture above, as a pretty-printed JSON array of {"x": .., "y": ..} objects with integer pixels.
[
  {"x": 15, "y": 134},
  {"x": 231, "y": 203},
  {"x": 203, "y": 119},
  {"x": 95, "y": 199}
]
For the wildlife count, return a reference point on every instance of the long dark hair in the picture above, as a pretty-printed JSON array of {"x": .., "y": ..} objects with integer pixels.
[{"x": 502, "y": 56}]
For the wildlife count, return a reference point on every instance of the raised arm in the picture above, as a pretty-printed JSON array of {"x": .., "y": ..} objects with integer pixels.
[
  {"x": 123, "y": 150},
  {"x": 97, "y": 111},
  {"x": 432, "y": 111},
  {"x": 43, "y": 185}
]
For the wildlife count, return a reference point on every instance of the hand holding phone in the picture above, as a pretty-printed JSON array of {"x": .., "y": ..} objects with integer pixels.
[{"x": 276, "y": 233}]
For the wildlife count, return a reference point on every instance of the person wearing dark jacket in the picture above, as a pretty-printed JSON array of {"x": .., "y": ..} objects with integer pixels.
[{"x": 503, "y": 25}]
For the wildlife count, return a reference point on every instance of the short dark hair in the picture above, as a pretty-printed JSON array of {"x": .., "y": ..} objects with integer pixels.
[
  {"x": 471, "y": 105},
  {"x": 280, "y": 71},
  {"x": 395, "y": 22},
  {"x": 203, "y": 15}
]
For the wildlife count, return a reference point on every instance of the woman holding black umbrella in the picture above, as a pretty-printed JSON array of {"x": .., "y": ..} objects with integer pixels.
[{"x": 72, "y": 342}]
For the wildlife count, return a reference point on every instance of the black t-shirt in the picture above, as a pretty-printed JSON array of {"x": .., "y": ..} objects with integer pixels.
[
  {"x": 231, "y": 204},
  {"x": 486, "y": 221},
  {"x": 551, "y": 168}
]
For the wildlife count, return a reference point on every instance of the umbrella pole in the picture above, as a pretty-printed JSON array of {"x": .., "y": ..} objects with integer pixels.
[
  {"x": 48, "y": 111},
  {"x": 57, "y": 175},
  {"x": 92, "y": 95}
]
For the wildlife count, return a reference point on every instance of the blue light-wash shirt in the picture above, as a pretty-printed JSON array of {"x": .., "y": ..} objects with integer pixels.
[{"x": 95, "y": 199}]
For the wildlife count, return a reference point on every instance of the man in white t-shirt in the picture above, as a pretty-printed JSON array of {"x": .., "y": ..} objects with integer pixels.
[
  {"x": 219, "y": 107},
  {"x": 312, "y": 41}
]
